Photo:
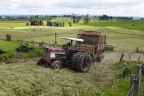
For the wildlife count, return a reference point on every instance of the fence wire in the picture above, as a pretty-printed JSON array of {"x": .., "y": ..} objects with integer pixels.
[{"x": 134, "y": 82}]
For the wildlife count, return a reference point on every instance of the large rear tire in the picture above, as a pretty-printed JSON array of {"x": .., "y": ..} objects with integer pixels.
[
  {"x": 74, "y": 61},
  {"x": 56, "y": 65},
  {"x": 84, "y": 63}
]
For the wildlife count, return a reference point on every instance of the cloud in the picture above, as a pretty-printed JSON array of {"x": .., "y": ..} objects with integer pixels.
[
  {"x": 92, "y": 3},
  {"x": 94, "y": 7}
]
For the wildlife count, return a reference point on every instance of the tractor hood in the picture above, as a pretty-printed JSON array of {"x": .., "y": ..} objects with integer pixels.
[{"x": 54, "y": 49}]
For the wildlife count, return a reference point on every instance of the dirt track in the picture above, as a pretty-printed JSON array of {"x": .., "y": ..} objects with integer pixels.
[
  {"x": 104, "y": 73},
  {"x": 112, "y": 57}
]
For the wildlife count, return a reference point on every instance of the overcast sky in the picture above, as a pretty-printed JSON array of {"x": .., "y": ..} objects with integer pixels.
[{"x": 92, "y": 7}]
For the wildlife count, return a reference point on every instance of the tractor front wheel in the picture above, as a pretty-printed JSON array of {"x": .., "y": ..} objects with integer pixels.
[
  {"x": 40, "y": 61},
  {"x": 56, "y": 65}
]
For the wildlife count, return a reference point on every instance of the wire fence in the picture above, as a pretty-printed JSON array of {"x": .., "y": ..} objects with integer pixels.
[
  {"x": 135, "y": 80},
  {"x": 41, "y": 44}
]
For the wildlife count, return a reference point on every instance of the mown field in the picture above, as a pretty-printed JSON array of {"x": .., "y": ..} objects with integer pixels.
[
  {"x": 121, "y": 39},
  {"x": 23, "y": 78}
]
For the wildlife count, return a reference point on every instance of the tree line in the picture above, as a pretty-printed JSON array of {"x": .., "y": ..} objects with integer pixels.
[
  {"x": 55, "y": 23},
  {"x": 49, "y": 23},
  {"x": 106, "y": 17},
  {"x": 35, "y": 23}
]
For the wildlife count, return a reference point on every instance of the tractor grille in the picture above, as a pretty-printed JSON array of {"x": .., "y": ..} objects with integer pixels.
[{"x": 45, "y": 56}]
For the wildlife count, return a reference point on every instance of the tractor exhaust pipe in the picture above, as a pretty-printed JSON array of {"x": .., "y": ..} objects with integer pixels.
[{"x": 55, "y": 44}]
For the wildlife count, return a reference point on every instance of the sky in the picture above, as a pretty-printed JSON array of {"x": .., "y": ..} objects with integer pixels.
[{"x": 92, "y": 7}]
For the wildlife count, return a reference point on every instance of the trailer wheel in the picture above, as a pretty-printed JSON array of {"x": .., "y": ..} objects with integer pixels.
[
  {"x": 100, "y": 58},
  {"x": 75, "y": 60},
  {"x": 40, "y": 61},
  {"x": 56, "y": 65},
  {"x": 84, "y": 63}
]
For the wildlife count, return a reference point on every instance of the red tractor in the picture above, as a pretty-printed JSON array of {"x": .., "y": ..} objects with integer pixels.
[{"x": 89, "y": 45}]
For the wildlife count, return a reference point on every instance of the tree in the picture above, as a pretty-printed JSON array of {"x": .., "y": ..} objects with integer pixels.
[
  {"x": 86, "y": 19},
  {"x": 27, "y": 23},
  {"x": 73, "y": 17},
  {"x": 49, "y": 23},
  {"x": 8, "y": 37},
  {"x": 40, "y": 23}
]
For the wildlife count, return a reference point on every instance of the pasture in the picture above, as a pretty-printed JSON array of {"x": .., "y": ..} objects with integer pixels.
[
  {"x": 27, "y": 79},
  {"x": 122, "y": 39}
]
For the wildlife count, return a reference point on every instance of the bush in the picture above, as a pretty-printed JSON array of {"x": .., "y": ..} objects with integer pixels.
[
  {"x": 126, "y": 72},
  {"x": 109, "y": 48},
  {"x": 8, "y": 37},
  {"x": 37, "y": 52},
  {"x": 64, "y": 45},
  {"x": 6, "y": 57}
]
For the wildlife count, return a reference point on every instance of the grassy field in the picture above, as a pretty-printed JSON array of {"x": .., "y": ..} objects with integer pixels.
[
  {"x": 121, "y": 39},
  {"x": 126, "y": 24},
  {"x": 26, "y": 79},
  {"x": 6, "y": 45}
]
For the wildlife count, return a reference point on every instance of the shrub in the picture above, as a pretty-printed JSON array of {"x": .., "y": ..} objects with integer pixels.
[
  {"x": 126, "y": 72},
  {"x": 8, "y": 37},
  {"x": 6, "y": 57},
  {"x": 35, "y": 53},
  {"x": 109, "y": 48},
  {"x": 64, "y": 45}
]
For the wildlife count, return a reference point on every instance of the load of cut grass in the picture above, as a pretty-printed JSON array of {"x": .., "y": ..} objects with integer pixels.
[{"x": 31, "y": 80}]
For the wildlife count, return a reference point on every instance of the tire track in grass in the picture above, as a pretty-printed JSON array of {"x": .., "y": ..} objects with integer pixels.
[{"x": 122, "y": 33}]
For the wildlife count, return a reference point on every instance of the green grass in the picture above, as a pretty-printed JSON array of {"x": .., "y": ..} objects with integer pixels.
[
  {"x": 118, "y": 87},
  {"x": 8, "y": 46},
  {"x": 120, "y": 83},
  {"x": 126, "y": 24},
  {"x": 12, "y": 24},
  {"x": 141, "y": 90},
  {"x": 12, "y": 55}
]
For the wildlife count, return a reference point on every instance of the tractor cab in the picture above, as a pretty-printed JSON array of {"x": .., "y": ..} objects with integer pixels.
[{"x": 77, "y": 42}]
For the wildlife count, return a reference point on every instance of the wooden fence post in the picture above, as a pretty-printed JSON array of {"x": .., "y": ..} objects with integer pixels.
[
  {"x": 131, "y": 85},
  {"x": 55, "y": 43},
  {"x": 142, "y": 69},
  {"x": 137, "y": 78},
  {"x": 139, "y": 59},
  {"x": 137, "y": 50},
  {"x": 121, "y": 57}
]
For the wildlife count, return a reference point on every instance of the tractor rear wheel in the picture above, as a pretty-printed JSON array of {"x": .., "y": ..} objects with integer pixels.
[
  {"x": 75, "y": 60},
  {"x": 56, "y": 65},
  {"x": 84, "y": 63},
  {"x": 40, "y": 61}
]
